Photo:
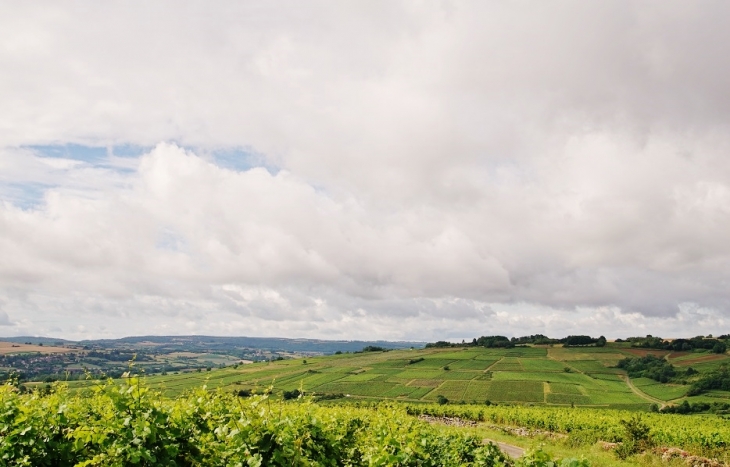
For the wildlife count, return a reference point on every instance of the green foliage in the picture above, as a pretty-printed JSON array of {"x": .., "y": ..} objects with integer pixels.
[
  {"x": 705, "y": 435},
  {"x": 539, "y": 458},
  {"x": 573, "y": 341},
  {"x": 494, "y": 342},
  {"x": 293, "y": 394},
  {"x": 121, "y": 425},
  {"x": 649, "y": 366},
  {"x": 694, "y": 343},
  {"x": 580, "y": 438},
  {"x": 439, "y": 344},
  {"x": 718, "y": 379},
  {"x": 637, "y": 437},
  {"x": 636, "y": 429},
  {"x": 698, "y": 407}
]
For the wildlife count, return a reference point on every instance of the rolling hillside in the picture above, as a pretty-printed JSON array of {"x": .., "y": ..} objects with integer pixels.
[{"x": 527, "y": 375}]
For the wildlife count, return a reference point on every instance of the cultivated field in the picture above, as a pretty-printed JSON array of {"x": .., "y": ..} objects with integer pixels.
[
  {"x": 529, "y": 375},
  {"x": 9, "y": 348}
]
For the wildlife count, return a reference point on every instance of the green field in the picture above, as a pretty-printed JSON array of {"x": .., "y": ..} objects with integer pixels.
[
  {"x": 525, "y": 375},
  {"x": 665, "y": 392}
]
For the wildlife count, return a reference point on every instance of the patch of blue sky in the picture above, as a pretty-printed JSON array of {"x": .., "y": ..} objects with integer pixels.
[
  {"x": 234, "y": 158},
  {"x": 170, "y": 240},
  {"x": 240, "y": 160},
  {"x": 121, "y": 159},
  {"x": 129, "y": 150},
  {"x": 26, "y": 196},
  {"x": 89, "y": 154},
  {"x": 92, "y": 155}
]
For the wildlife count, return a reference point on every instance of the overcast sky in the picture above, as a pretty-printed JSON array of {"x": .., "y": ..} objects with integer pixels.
[{"x": 364, "y": 169}]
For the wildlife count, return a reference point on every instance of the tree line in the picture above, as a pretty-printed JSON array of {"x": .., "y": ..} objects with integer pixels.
[
  {"x": 505, "y": 342},
  {"x": 716, "y": 345}
]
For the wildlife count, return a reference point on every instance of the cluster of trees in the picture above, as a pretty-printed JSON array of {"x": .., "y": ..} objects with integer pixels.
[
  {"x": 491, "y": 342},
  {"x": 504, "y": 342},
  {"x": 649, "y": 366},
  {"x": 583, "y": 341},
  {"x": 538, "y": 339},
  {"x": 441, "y": 344},
  {"x": 718, "y": 379},
  {"x": 718, "y": 345}
]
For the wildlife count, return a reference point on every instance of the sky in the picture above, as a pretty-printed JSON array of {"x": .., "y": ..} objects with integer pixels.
[{"x": 392, "y": 170}]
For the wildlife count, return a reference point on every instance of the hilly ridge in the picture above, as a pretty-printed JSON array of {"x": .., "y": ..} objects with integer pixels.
[{"x": 539, "y": 375}]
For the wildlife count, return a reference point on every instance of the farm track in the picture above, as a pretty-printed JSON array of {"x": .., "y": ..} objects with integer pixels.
[
  {"x": 641, "y": 393},
  {"x": 509, "y": 449}
]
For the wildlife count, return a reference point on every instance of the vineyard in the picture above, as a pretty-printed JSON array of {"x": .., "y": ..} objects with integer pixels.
[
  {"x": 529, "y": 375},
  {"x": 367, "y": 408},
  {"x": 127, "y": 424},
  {"x": 706, "y": 435},
  {"x": 117, "y": 424}
]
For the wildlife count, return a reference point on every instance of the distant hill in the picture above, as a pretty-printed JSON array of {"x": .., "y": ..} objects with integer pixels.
[
  {"x": 217, "y": 343},
  {"x": 37, "y": 340}
]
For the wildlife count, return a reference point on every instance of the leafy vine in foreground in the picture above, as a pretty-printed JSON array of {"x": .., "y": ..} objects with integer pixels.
[{"x": 128, "y": 424}]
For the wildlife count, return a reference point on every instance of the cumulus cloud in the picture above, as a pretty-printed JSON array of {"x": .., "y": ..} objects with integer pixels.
[{"x": 418, "y": 170}]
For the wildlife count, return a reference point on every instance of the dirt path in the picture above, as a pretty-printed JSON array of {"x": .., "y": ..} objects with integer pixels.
[
  {"x": 641, "y": 393},
  {"x": 509, "y": 449}
]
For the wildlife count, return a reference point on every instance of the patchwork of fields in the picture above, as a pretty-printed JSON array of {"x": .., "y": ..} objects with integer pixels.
[{"x": 526, "y": 375}]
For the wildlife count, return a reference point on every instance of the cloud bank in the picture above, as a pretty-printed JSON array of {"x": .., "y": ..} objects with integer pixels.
[{"x": 377, "y": 170}]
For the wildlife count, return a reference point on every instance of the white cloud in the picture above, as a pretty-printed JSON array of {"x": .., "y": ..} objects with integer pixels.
[{"x": 440, "y": 168}]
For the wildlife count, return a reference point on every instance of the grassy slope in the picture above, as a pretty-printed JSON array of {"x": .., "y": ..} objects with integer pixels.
[{"x": 522, "y": 375}]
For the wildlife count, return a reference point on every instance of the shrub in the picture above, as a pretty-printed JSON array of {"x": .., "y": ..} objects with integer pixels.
[
  {"x": 637, "y": 437},
  {"x": 288, "y": 395},
  {"x": 539, "y": 458}
]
